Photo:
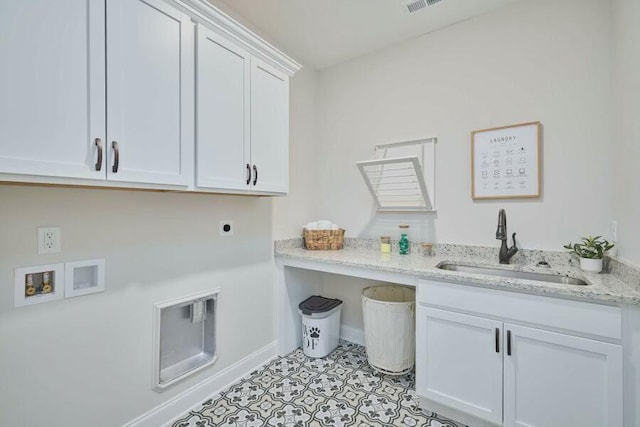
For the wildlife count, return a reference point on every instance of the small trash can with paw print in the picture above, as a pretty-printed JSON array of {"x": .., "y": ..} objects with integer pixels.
[{"x": 320, "y": 325}]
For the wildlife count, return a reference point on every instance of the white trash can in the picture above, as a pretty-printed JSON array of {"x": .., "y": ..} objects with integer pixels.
[
  {"x": 389, "y": 327},
  {"x": 320, "y": 325}
]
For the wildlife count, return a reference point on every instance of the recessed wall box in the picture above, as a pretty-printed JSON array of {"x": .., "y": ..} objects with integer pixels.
[
  {"x": 84, "y": 277},
  {"x": 184, "y": 337},
  {"x": 38, "y": 284}
]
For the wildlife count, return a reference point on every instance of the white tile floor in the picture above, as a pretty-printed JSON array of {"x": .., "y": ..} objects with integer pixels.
[{"x": 295, "y": 391}]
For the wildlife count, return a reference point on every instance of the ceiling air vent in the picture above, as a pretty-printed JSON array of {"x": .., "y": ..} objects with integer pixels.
[{"x": 416, "y": 5}]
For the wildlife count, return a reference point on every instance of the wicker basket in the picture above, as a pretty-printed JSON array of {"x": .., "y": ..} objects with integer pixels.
[{"x": 323, "y": 240}]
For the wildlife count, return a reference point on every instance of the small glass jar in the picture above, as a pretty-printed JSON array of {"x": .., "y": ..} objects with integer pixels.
[
  {"x": 428, "y": 249},
  {"x": 404, "y": 244},
  {"x": 385, "y": 244}
]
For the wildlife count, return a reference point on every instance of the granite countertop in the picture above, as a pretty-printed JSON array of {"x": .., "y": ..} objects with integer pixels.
[{"x": 361, "y": 253}]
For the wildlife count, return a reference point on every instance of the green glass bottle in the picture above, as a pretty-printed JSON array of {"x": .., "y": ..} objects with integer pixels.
[{"x": 404, "y": 244}]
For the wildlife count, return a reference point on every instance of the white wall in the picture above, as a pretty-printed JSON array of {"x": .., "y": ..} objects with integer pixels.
[
  {"x": 93, "y": 354},
  {"x": 88, "y": 360},
  {"x": 545, "y": 60},
  {"x": 626, "y": 200},
  {"x": 292, "y": 212}
]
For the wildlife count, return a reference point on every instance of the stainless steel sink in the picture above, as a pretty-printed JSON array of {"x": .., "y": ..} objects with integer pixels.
[{"x": 493, "y": 271}]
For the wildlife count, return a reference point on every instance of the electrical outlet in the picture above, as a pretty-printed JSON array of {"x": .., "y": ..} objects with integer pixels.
[
  {"x": 48, "y": 240},
  {"x": 614, "y": 231},
  {"x": 226, "y": 228}
]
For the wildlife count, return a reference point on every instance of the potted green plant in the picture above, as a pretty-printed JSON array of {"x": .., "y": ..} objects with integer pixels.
[{"x": 591, "y": 250}]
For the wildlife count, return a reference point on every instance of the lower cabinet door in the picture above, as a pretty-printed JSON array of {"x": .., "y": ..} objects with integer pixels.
[
  {"x": 552, "y": 379},
  {"x": 459, "y": 362}
]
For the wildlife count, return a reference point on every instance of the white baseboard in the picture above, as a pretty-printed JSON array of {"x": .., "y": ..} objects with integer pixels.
[
  {"x": 182, "y": 403},
  {"x": 353, "y": 335}
]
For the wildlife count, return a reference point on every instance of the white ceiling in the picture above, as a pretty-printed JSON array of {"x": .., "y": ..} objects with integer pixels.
[{"x": 323, "y": 33}]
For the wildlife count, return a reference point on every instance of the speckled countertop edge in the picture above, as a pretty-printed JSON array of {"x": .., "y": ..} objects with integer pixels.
[{"x": 363, "y": 253}]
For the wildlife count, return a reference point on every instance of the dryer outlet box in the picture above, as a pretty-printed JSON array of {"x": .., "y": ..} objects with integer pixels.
[{"x": 226, "y": 228}]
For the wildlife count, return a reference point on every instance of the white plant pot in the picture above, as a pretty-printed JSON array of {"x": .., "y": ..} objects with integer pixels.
[{"x": 591, "y": 265}]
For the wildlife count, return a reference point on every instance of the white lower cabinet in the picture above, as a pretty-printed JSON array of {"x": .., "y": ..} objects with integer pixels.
[
  {"x": 553, "y": 379},
  {"x": 497, "y": 372},
  {"x": 461, "y": 364}
]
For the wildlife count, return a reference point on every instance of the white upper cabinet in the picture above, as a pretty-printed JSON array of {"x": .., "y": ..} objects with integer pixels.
[
  {"x": 52, "y": 87},
  {"x": 242, "y": 119},
  {"x": 222, "y": 108},
  {"x": 150, "y": 92},
  {"x": 105, "y": 92},
  {"x": 269, "y": 128}
]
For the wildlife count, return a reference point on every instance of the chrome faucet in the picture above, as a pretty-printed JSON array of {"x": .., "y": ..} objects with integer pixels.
[{"x": 506, "y": 252}]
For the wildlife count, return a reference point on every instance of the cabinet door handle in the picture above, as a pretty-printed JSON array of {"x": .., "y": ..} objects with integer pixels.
[
  {"x": 508, "y": 343},
  {"x": 255, "y": 175},
  {"x": 116, "y": 158},
  {"x": 98, "y": 143},
  {"x": 497, "y": 340},
  {"x": 248, "y": 174}
]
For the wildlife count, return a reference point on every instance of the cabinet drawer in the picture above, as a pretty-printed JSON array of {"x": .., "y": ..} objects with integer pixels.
[{"x": 580, "y": 317}]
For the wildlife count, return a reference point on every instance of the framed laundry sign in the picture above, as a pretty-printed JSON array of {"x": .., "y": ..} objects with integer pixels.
[{"x": 505, "y": 162}]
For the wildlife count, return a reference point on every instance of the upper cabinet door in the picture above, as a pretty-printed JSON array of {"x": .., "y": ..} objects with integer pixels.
[
  {"x": 150, "y": 92},
  {"x": 52, "y": 92},
  {"x": 222, "y": 108},
  {"x": 553, "y": 379},
  {"x": 269, "y": 128}
]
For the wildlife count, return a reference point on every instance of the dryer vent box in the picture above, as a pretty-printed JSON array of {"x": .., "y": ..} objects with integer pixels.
[{"x": 184, "y": 337}]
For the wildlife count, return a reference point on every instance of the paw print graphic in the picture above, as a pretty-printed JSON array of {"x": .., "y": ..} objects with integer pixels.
[{"x": 315, "y": 333}]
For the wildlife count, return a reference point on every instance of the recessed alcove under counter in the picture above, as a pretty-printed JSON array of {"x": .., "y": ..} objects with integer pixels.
[{"x": 500, "y": 322}]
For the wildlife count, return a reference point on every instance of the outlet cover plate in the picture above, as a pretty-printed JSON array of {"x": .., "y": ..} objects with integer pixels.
[
  {"x": 226, "y": 228},
  {"x": 49, "y": 240}
]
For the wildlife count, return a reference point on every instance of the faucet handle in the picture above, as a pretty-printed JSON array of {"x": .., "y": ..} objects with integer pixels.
[{"x": 514, "y": 241}]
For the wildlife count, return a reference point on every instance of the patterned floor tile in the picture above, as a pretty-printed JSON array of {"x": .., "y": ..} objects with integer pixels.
[
  {"x": 266, "y": 405},
  {"x": 286, "y": 390},
  {"x": 296, "y": 391},
  {"x": 304, "y": 375},
  {"x": 379, "y": 408},
  {"x": 289, "y": 416},
  {"x": 319, "y": 365},
  {"x": 352, "y": 359},
  {"x": 363, "y": 380},
  {"x": 218, "y": 413},
  {"x": 244, "y": 394},
  {"x": 326, "y": 385},
  {"x": 193, "y": 419},
  {"x": 335, "y": 413},
  {"x": 285, "y": 367},
  {"x": 340, "y": 371},
  {"x": 243, "y": 418}
]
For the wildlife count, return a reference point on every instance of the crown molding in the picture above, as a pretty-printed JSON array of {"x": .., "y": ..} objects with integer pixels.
[{"x": 205, "y": 13}]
